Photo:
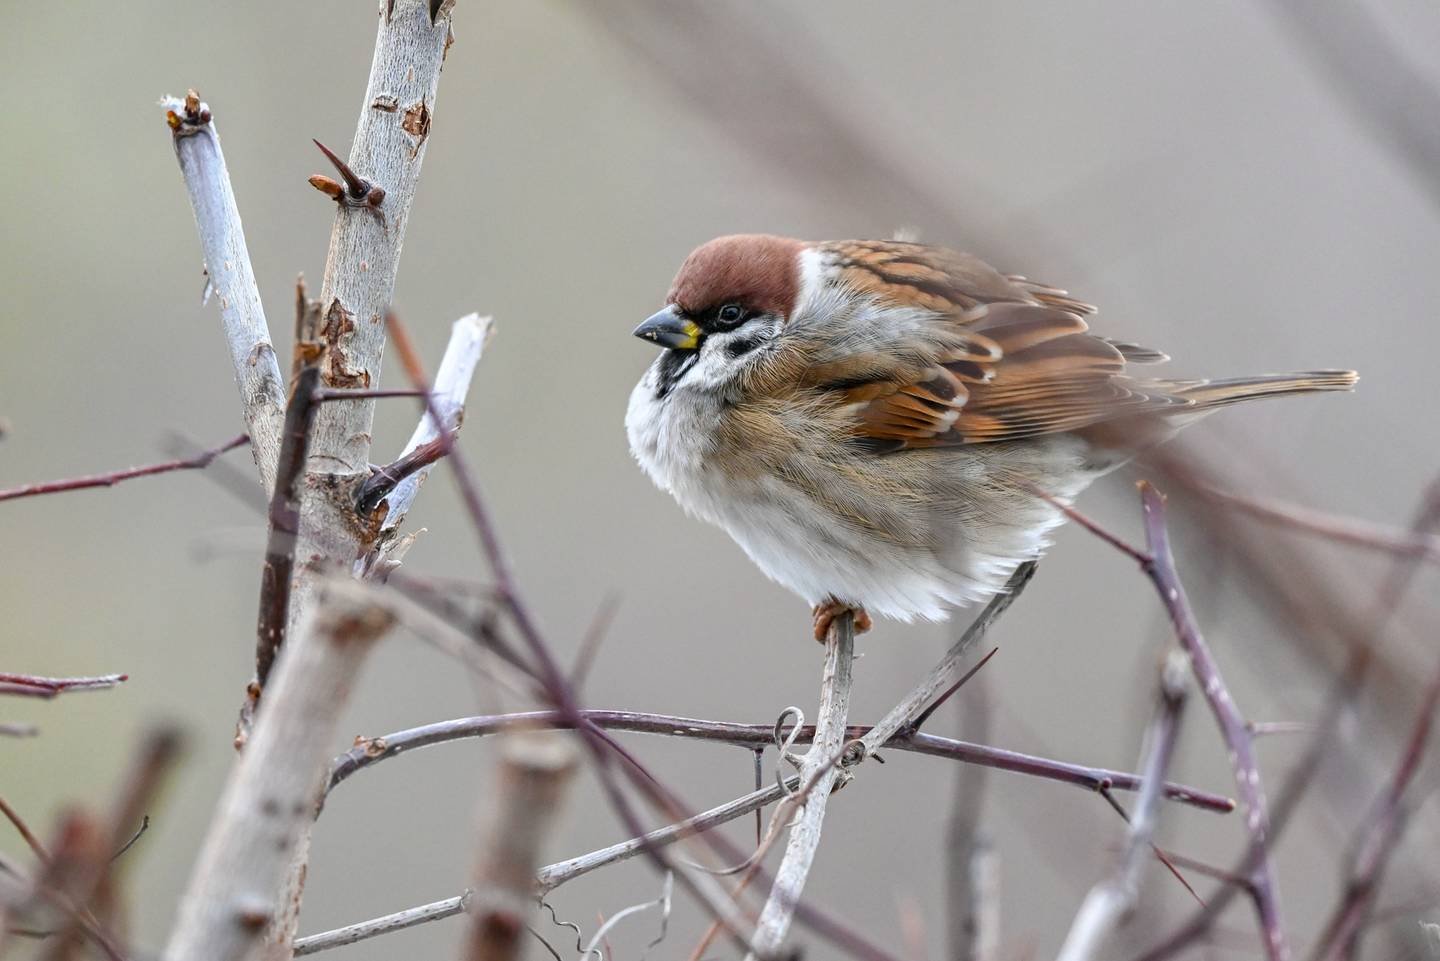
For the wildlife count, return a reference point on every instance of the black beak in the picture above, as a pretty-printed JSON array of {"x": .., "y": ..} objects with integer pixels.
[{"x": 669, "y": 329}]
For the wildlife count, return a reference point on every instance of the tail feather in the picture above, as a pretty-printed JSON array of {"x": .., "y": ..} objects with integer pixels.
[{"x": 1209, "y": 394}]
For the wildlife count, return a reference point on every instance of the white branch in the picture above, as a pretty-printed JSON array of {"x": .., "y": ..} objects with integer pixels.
[
  {"x": 468, "y": 337},
  {"x": 227, "y": 260},
  {"x": 364, "y": 255},
  {"x": 360, "y": 271},
  {"x": 819, "y": 770},
  {"x": 1111, "y": 900},
  {"x": 269, "y": 801},
  {"x": 398, "y": 921},
  {"x": 535, "y": 767}
]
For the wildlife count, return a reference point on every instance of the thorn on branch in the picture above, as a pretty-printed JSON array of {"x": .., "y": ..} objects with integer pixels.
[{"x": 356, "y": 191}]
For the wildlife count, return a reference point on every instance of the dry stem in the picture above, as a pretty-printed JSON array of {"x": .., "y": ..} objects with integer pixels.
[
  {"x": 227, "y": 261},
  {"x": 820, "y": 764},
  {"x": 1111, "y": 900},
  {"x": 269, "y": 802}
]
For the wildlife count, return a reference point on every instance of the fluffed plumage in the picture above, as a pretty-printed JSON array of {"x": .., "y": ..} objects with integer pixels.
[{"x": 870, "y": 419}]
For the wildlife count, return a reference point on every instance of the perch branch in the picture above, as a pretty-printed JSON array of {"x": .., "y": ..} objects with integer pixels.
[
  {"x": 269, "y": 801},
  {"x": 904, "y": 715},
  {"x": 1110, "y": 901},
  {"x": 971, "y": 863},
  {"x": 535, "y": 767},
  {"x": 373, "y": 750},
  {"x": 227, "y": 262},
  {"x": 369, "y": 751},
  {"x": 198, "y": 462},
  {"x": 822, "y": 774}
]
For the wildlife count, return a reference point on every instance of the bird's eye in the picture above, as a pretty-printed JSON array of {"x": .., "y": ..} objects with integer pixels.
[{"x": 730, "y": 315}]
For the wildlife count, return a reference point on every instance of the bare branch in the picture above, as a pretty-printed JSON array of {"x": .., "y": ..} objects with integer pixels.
[
  {"x": 370, "y": 751},
  {"x": 1160, "y": 568},
  {"x": 902, "y": 716},
  {"x": 1335, "y": 527},
  {"x": 399, "y": 921},
  {"x": 468, "y": 337},
  {"x": 284, "y": 521},
  {"x": 364, "y": 255},
  {"x": 1364, "y": 642},
  {"x": 227, "y": 261},
  {"x": 971, "y": 863},
  {"x": 820, "y": 764},
  {"x": 361, "y": 265},
  {"x": 197, "y": 462},
  {"x": 535, "y": 767},
  {"x": 1378, "y": 837},
  {"x": 1111, "y": 900},
  {"x": 269, "y": 802},
  {"x": 33, "y": 685}
]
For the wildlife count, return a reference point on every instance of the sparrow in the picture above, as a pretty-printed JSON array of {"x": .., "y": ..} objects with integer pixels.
[{"x": 875, "y": 422}]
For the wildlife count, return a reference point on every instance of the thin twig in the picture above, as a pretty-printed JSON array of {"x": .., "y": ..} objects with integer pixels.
[
  {"x": 1378, "y": 837},
  {"x": 387, "y": 478},
  {"x": 198, "y": 462},
  {"x": 1335, "y": 527},
  {"x": 804, "y": 841},
  {"x": 227, "y": 261},
  {"x": 1344, "y": 690},
  {"x": 34, "y": 685},
  {"x": 369, "y": 751},
  {"x": 903, "y": 716},
  {"x": 972, "y": 881},
  {"x": 278, "y": 572},
  {"x": 1108, "y": 903}
]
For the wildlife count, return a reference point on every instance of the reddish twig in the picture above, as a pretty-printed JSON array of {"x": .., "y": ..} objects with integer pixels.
[
  {"x": 112, "y": 478},
  {"x": 1159, "y": 566},
  {"x": 371, "y": 751},
  {"x": 1378, "y": 837},
  {"x": 949, "y": 692},
  {"x": 384, "y": 479},
  {"x": 1345, "y": 689},
  {"x": 33, "y": 685},
  {"x": 326, "y": 395},
  {"x": 284, "y": 516},
  {"x": 1335, "y": 527}
]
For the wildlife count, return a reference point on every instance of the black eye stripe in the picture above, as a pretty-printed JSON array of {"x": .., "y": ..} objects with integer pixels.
[{"x": 742, "y": 346}]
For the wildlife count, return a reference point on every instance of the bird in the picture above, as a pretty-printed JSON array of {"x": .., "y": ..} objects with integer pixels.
[{"x": 885, "y": 427}]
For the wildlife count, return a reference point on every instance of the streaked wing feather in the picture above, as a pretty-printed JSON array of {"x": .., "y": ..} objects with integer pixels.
[{"x": 1009, "y": 358}]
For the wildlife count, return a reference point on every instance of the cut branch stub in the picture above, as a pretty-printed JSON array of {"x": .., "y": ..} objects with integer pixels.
[{"x": 227, "y": 261}]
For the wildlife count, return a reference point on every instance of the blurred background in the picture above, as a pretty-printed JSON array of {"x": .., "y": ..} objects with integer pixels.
[{"x": 1245, "y": 185}]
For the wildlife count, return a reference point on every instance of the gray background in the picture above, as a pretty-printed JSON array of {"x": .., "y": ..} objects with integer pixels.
[{"x": 1189, "y": 168}]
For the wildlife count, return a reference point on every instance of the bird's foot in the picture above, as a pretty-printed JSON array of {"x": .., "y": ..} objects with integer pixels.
[{"x": 826, "y": 613}]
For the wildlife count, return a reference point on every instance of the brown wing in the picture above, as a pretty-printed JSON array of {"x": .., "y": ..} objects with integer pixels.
[{"x": 1006, "y": 358}]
